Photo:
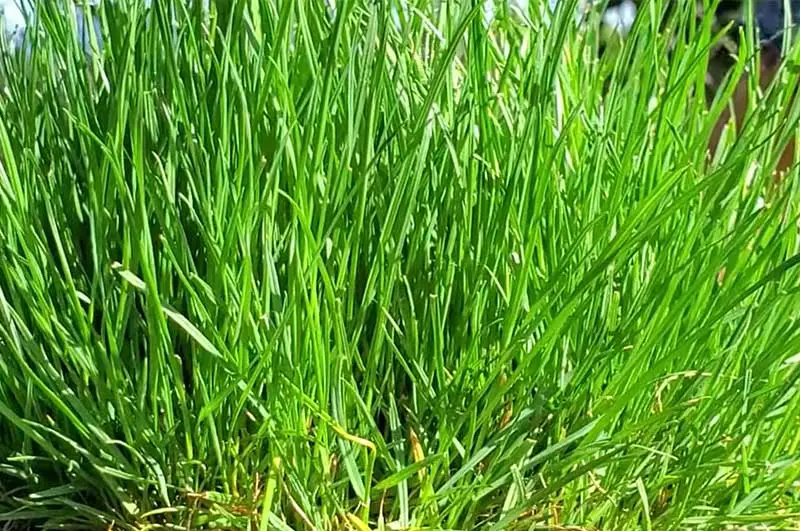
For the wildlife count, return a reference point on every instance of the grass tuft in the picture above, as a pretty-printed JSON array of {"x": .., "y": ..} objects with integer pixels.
[{"x": 390, "y": 266}]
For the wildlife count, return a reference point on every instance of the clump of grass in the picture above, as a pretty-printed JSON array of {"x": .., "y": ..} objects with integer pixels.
[{"x": 277, "y": 267}]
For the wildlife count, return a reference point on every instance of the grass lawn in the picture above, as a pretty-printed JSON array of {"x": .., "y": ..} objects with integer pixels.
[{"x": 278, "y": 268}]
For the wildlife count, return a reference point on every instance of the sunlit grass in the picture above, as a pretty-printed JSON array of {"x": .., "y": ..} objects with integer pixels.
[{"x": 270, "y": 269}]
